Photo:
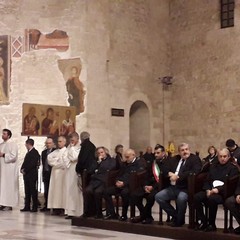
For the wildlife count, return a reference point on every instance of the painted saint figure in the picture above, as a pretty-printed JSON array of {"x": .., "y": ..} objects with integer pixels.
[
  {"x": 75, "y": 91},
  {"x": 31, "y": 124},
  {"x": 67, "y": 126},
  {"x": 49, "y": 124},
  {"x": 3, "y": 96}
]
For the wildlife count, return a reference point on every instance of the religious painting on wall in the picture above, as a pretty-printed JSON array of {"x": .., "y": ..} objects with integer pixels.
[
  {"x": 47, "y": 120},
  {"x": 71, "y": 70},
  {"x": 5, "y": 60},
  {"x": 57, "y": 39}
]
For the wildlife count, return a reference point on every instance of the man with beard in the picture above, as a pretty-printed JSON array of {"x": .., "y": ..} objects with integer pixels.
[
  {"x": 179, "y": 168},
  {"x": 150, "y": 188}
]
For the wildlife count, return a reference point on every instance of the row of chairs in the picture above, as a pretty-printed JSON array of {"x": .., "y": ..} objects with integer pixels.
[{"x": 195, "y": 184}]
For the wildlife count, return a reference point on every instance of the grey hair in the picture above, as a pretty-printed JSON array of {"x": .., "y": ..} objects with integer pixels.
[
  {"x": 84, "y": 135},
  {"x": 225, "y": 150},
  {"x": 74, "y": 134},
  {"x": 181, "y": 145}
]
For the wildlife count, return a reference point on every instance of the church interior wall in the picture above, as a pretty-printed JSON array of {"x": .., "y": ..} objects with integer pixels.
[
  {"x": 123, "y": 47},
  {"x": 205, "y": 66}
]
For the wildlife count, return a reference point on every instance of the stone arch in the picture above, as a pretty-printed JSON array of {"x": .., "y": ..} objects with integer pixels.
[{"x": 139, "y": 126}]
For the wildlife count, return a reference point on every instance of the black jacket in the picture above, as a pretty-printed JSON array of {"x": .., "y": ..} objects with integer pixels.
[
  {"x": 99, "y": 176},
  {"x": 192, "y": 164},
  {"x": 219, "y": 172},
  {"x": 44, "y": 159},
  {"x": 137, "y": 165},
  {"x": 30, "y": 164},
  {"x": 150, "y": 179},
  {"x": 86, "y": 157}
]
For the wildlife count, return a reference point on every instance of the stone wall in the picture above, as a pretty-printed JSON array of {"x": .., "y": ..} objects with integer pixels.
[
  {"x": 123, "y": 47},
  {"x": 205, "y": 65}
]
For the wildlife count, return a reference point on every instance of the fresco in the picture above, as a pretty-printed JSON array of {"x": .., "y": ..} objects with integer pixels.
[{"x": 71, "y": 69}]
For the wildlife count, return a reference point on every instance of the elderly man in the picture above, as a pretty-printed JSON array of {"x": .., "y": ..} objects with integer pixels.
[
  {"x": 86, "y": 157},
  {"x": 74, "y": 202},
  {"x": 9, "y": 190},
  {"x": 179, "y": 168},
  {"x": 46, "y": 170},
  {"x": 122, "y": 185},
  {"x": 57, "y": 193},
  {"x": 212, "y": 190},
  {"x": 94, "y": 191}
]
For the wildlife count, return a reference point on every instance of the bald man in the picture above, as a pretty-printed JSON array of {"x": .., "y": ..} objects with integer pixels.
[
  {"x": 213, "y": 189},
  {"x": 57, "y": 159},
  {"x": 122, "y": 184}
]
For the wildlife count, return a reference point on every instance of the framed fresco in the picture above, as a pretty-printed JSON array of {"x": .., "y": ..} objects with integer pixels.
[
  {"x": 47, "y": 120},
  {"x": 5, "y": 67}
]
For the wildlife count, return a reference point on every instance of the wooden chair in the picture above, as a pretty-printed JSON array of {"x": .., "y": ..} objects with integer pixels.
[
  {"x": 136, "y": 181},
  {"x": 195, "y": 185},
  {"x": 230, "y": 185}
]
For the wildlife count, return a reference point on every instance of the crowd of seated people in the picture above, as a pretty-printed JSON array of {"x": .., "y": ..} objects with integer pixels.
[
  {"x": 165, "y": 179},
  {"x": 175, "y": 171}
]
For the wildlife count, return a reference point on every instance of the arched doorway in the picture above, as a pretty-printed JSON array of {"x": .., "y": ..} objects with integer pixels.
[{"x": 139, "y": 126}]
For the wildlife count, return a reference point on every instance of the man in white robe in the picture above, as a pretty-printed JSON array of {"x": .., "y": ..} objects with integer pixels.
[
  {"x": 74, "y": 199},
  {"x": 9, "y": 187},
  {"x": 57, "y": 193}
]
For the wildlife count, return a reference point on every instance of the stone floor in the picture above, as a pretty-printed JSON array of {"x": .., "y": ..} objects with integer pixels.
[{"x": 30, "y": 226}]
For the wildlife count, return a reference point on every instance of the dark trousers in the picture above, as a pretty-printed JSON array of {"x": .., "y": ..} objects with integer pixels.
[
  {"x": 137, "y": 199},
  {"x": 201, "y": 199},
  {"x": 233, "y": 207},
  {"x": 46, "y": 181},
  {"x": 93, "y": 195},
  {"x": 30, "y": 187},
  {"x": 123, "y": 192}
]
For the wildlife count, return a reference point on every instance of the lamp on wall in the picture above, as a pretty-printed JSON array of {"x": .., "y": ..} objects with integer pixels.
[{"x": 166, "y": 82}]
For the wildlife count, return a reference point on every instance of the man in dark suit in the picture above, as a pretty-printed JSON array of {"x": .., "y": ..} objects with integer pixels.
[
  {"x": 86, "y": 157},
  {"x": 122, "y": 184},
  {"x": 98, "y": 180},
  {"x": 150, "y": 187},
  {"x": 46, "y": 170},
  {"x": 29, "y": 170},
  {"x": 179, "y": 168}
]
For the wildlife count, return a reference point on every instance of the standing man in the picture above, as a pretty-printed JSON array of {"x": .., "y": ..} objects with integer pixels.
[
  {"x": 179, "y": 168},
  {"x": 74, "y": 199},
  {"x": 86, "y": 157},
  {"x": 46, "y": 170},
  {"x": 9, "y": 191},
  {"x": 29, "y": 170},
  {"x": 57, "y": 193}
]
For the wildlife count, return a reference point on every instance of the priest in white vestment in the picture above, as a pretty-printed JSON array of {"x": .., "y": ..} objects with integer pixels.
[
  {"x": 9, "y": 186},
  {"x": 57, "y": 193},
  {"x": 74, "y": 199}
]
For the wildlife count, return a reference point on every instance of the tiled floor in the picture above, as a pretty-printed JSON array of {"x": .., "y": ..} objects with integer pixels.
[
  {"x": 30, "y": 226},
  {"x": 39, "y": 226}
]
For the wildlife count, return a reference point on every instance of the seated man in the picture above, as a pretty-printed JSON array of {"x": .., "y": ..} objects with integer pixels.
[
  {"x": 150, "y": 188},
  {"x": 98, "y": 180},
  {"x": 213, "y": 188},
  {"x": 122, "y": 185},
  {"x": 233, "y": 205},
  {"x": 179, "y": 168}
]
